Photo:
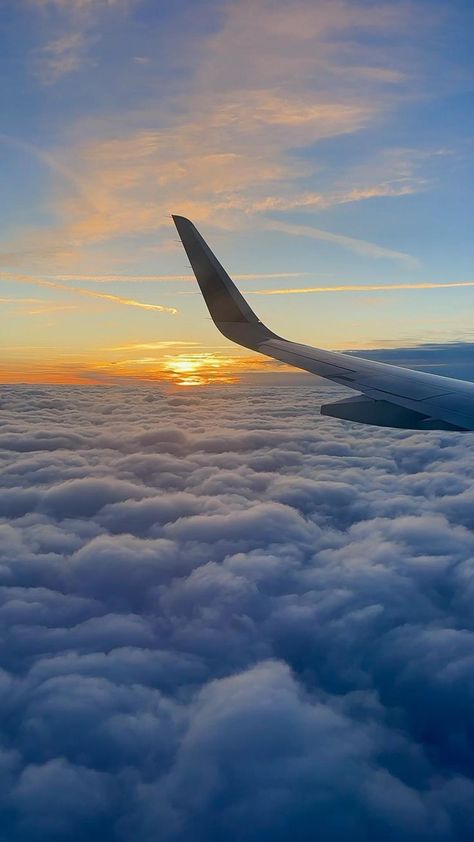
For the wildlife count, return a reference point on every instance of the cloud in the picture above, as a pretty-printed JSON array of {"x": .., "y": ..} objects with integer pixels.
[
  {"x": 351, "y": 243},
  {"x": 128, "y": 302},
  {"x": 52, "y": 796},
  {"x": 76, "y": 25},
  {"x": 226, "y": 147},
  {"x": 111, "y": 278},
  {"x": 258, "y": 620},
  {"x": 88, "y": 293},
  {"x": 35, "y": 306},
  {"x": 155, "y": 346},
  {"x": 21, "y": 301},
  {"x": 389, "y": 287},
  {"x": 454, "y": 359},
  {"x": 321, "y": 201},
  {"x": 210, "y": 168},
  {"x": 62, "y": 56}
]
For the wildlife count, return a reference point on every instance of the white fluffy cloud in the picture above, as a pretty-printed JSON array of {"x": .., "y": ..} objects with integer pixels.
[{"x": 225, "y": 617}]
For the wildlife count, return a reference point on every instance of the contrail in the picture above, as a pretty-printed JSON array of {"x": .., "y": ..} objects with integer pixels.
[
  {"x": 359, "y": 288},
  {"x": 116, "y": 299}
]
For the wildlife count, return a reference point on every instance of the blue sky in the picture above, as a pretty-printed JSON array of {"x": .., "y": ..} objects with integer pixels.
[{"x": 316, "y": 145}]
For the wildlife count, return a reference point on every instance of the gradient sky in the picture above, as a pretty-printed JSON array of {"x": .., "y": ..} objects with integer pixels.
[{"x": 318, "y": 146}]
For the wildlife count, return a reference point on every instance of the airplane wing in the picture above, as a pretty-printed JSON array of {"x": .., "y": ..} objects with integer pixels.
[{"x": 390, "y": 396}]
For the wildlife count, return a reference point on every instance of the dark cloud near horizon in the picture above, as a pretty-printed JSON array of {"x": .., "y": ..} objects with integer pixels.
[
  {"x": 451, "y": 359},
  {"x": 224, "y": 617}
]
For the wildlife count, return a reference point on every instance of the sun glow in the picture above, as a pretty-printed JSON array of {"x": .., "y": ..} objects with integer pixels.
[
  {"x": 106, "y": 365},
  {"x": 199, "y": 369}
]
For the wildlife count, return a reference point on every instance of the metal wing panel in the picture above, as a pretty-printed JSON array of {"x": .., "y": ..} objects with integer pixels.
[
  {"x": 357, "y": 373},
  {"x": 432, "y": 396},
  {"x": 310, "y": 359}
]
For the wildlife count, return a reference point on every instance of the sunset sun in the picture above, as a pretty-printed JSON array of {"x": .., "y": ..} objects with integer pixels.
[{"x": 198, "y": 369}]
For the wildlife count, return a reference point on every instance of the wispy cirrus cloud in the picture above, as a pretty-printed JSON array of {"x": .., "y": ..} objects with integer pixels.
[
  {"x": 76, "y": 25},
  {"x": 175, "y": 278},
  {"x": 225, "y": 149},
  {"x": 362, "y": 247},
  {"x": 35, "y": 306},
  {"x": 102, "y": 296},
  {"x": 321, "y": 201},
  {"x": 160, "y": 345},
  {"x": 119, "y": 299},
  {"x": 389, "y": 287},
  {"x": 62, "y": 55}
]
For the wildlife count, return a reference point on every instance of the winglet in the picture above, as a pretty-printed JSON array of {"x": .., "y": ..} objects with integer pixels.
[
  {"x": 223, "y": 299},
  {"x": 228, "y": 308}
]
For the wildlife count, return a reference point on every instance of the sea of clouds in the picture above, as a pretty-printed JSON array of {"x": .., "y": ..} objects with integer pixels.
[{"x": 224, "y": 617}]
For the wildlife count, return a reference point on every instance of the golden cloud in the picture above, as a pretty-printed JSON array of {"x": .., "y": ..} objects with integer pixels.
[{"x": 222, "y": 151}]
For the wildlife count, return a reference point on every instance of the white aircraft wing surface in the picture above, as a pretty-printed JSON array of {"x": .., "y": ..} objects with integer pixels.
[{"x": 389, "y": 395}]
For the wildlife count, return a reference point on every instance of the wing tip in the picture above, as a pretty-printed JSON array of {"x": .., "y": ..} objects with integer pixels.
[
  {"x": 177, "y": 218},
  {"x": 224, "y": 301}
]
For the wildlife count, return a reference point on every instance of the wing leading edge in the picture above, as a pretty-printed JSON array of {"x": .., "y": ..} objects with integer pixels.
[{"x": 392, "y": 396}]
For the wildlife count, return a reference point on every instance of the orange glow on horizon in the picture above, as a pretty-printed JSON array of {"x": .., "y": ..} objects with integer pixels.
[{"x": 182, "y": 370}]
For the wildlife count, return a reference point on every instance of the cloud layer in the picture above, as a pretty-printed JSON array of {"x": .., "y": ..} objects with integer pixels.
[{"x": 224, "y": 617}]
